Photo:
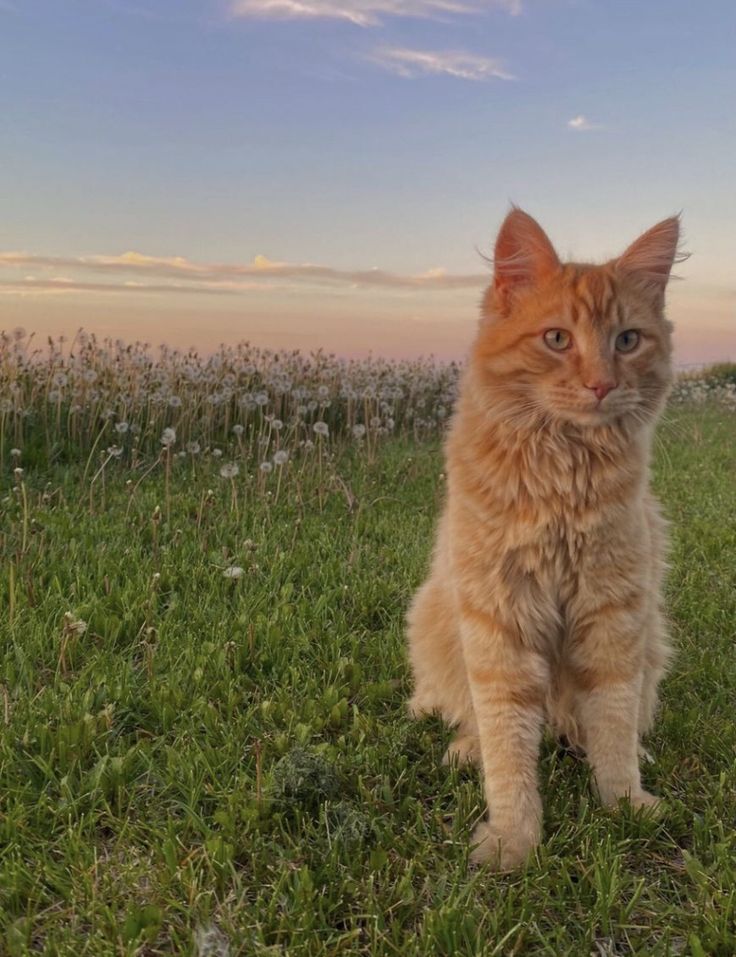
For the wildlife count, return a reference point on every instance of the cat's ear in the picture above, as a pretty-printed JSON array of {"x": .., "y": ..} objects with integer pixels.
[
  {"x": 523, "y": 256},
  {"x": 649, "y": 259}
]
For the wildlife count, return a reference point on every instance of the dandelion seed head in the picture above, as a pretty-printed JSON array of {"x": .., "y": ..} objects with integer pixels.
[
  {"x": 74, "y": 624},
  {"x": 281, "y": 457},
  {"x": 266, "y": 467},
  {"x": 168, "y": 437},
  {"x": 321, "y": 428},
  {"x": 234, "y": 571},
  {"x": 229, "y": 470}
]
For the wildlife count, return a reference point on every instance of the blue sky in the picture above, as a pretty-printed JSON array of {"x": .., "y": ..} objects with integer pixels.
[{"x": 230, "y": 144}]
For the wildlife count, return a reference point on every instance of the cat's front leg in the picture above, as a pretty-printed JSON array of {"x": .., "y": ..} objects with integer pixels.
[
  {"x": 507, "y": 684},
  {"x": 608, "y": 664}
]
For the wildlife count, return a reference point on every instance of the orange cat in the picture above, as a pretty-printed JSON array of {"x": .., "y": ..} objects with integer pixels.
[{"x": 543, "y": 602}]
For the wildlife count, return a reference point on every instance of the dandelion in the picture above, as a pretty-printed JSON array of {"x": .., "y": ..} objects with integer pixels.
[
  {"x": 168, "y": 437},
  {"x": 114, "y": 451},
  {"x": 238, "y": 430},
  {"x": 281, "y": 457},
  {"x": 211, "y": 942},
  {"x": 358, "y": 431},
  {"x": 15, "y": 453},
  {"x": 217, "y": 453},
  {"x": 193, "y": 448},
  {"x": 174, "y": 402},
  {"x": 229, "y": 470},
  {"x": 277, "y": 425},
  {"x": 73, "y": 625},
  {"x": 265, "y": 467},
  {"x": 321, "y": 428},
  {"x": 18, "y": 472},
  {"x": 121, "y": 427},
  {"x": 261, "y": 398},
  {"x": 233, "y": 572}
]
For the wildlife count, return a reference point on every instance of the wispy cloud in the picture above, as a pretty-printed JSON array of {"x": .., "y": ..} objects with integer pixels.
[
  {"x": 176, "y": 274},
  {"x": 365, "y": 13},
  {"x": 63, "y": 285},
  {"x": 465, "y": 66},
  {"x": 581, "y": 124}
]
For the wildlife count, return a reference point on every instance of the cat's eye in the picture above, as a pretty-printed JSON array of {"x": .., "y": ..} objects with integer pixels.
[
  {"x": 558, "y": 339},
  {"x": 627, "y": 341}
]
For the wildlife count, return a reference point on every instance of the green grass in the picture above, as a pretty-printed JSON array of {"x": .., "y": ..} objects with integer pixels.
[{"x": 229, "y": 761}]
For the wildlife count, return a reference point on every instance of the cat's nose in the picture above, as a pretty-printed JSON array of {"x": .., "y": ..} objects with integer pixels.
[{"x": 601, "y": 388}]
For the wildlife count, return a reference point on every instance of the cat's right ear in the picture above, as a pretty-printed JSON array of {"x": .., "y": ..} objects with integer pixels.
[{"x": 523, "y": 256}]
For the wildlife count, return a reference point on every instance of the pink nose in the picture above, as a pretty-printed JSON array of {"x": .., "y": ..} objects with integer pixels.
[{"x": 601, "y": 389}]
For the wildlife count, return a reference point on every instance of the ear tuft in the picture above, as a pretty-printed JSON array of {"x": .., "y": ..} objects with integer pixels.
[
  {"x": 523, "y": 254},
  {"x": 650, "y": 258}
]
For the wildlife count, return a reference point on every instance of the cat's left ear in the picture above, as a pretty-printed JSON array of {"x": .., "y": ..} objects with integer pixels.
[{"x": 649, "y": 259}]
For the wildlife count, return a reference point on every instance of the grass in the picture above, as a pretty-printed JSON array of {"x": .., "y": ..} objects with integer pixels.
[{"x": 224, "y": 765}]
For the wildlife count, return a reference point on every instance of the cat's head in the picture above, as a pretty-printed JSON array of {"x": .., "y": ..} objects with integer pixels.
[{"x": 577, "y": 342}]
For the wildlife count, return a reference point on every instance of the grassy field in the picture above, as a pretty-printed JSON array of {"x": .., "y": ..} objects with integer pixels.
[{"x": 204, "y": 748}]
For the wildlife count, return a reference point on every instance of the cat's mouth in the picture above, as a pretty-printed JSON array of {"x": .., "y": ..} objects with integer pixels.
[{"x": 596, "y": 412}]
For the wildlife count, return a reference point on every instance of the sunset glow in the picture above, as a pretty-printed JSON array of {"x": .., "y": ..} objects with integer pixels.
[{"x": 331, "y": 174}]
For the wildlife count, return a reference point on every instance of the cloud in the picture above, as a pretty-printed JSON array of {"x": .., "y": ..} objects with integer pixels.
[
  {"x": 457, "y": 63},
  {"x": 365, "y": 13},
  {"x": 181, "y": 275},
  {"x": 63, "y": 285},
  {"x": 581, "y": 124}
]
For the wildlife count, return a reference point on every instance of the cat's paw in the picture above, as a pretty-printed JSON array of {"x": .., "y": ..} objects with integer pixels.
[
  {"x": 641, "y": 800},
  {"x": 463, "y": 749},
  {"x": 499, "y": 850},
  {"x": 416, "y": 708},
  {"x": 648, "y": 803}
]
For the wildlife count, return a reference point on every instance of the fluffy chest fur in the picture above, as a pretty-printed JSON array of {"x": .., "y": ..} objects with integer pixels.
[{"x": 534, "y": 516}]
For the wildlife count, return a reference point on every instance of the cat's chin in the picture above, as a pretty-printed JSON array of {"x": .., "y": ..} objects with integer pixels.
[{"x": 592, "y": 418}]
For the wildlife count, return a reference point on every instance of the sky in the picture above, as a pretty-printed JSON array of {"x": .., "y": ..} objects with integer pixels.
[{"x": 319, "y": 173}]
